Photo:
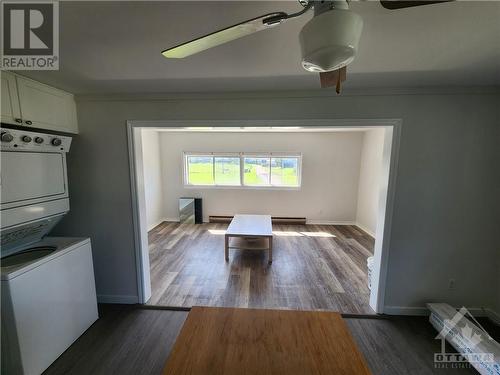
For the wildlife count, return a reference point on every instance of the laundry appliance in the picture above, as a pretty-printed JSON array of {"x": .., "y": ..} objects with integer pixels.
[{"x": 47, "y": 283}]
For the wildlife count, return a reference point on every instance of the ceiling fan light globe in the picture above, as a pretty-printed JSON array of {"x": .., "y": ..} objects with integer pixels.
[
  {"x": 330, "y": 40},
  {"x": 328, "y": 59}
]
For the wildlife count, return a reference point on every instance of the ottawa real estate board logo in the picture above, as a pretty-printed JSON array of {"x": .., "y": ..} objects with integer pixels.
[{"x": 30, "y": 35}]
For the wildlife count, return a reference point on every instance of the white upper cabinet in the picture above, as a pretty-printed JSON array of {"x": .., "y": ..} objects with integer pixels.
[
  {"x": 45, "y": 107},
  {"x": 40, "y": 106},
  {"x": 11, "y": 113}
]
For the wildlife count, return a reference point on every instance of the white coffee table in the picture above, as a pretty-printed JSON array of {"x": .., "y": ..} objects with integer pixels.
[{"x": 244, "y": 227}]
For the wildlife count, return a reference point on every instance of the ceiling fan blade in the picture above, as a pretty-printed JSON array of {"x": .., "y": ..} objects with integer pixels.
[
  {"x": 399, "y": 4},
  {"x": 225, "y": 35},
  {"x": 333, "y": 78}
]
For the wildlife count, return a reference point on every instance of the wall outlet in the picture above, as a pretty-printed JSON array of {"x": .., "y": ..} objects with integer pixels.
[{"x": 451, "y": 284}]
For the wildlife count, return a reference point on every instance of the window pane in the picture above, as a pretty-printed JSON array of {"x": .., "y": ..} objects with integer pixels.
[
  {"x": 285, "y": 171},
  {"x": 256, "y": 171},
  {"x": 200, "y": 170},
  {"x": 227, "y": 171}
]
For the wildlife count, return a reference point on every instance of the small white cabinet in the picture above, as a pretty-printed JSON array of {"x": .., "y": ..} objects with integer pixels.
[
  {"x": 11, "y": 113},
  {"x": 38, "y": 105}
]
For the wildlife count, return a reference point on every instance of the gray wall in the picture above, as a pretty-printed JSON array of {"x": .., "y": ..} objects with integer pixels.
[{"x": 446, "y": 191}]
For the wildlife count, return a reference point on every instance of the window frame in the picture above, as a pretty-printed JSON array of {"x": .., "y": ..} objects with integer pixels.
[{"x": 241, "y": 156}]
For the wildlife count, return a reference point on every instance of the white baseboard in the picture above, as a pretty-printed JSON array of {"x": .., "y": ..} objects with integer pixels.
[
  {"x": 171, "y": 219},
  {"x": 318, "y": 222},
  {"x": 423, "y": 311},
  {"x": 326, "y": 222},
  {"x": 402, "y": 310},
  {"x": 120, "y": 299},
  {"x": 365, "y": 229},
  {"x": 168, "y": 219},
  {"x": 158, "y": 222}
]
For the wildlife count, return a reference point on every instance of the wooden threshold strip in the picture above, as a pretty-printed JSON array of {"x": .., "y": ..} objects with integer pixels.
[{"x": 344, "y": 315}]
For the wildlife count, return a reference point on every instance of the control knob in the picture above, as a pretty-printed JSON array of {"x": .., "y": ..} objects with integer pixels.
[
  {"x": 26, "y": 138},
  {"x": 6, "y": 137},
  {"x": 56, "y": 142},
  {"x": 38, "y": 140}
]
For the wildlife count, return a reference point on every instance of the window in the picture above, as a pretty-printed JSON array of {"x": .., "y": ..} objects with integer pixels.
[
  {"x": 257, "y": 171},
  {"x": 285, "y": 171},
  {"x": 227, "y": 170},
  {"x": 200, "y": 170},
  {"x": 243, "y": 170}
]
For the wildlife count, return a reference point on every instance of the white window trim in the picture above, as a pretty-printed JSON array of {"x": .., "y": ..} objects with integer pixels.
[{"x": 242, "y": 155}]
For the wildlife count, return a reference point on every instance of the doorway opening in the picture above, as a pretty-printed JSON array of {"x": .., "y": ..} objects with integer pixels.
[{"x": 327, "y": 184}]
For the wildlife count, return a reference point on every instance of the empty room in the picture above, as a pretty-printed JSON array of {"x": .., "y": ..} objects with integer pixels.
[
  {"x": 250, "y": 187},
  {"x": 320, "y": 187}
]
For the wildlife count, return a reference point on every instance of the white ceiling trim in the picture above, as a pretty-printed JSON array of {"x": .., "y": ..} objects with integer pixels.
[
  {"x": 264, "y": 125},
  {"x": 459, "y": 90}
]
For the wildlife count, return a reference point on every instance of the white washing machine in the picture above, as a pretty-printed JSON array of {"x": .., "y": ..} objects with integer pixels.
[
  {"x": 48, "y": 301},
  {"x": 48, "y": 291}
]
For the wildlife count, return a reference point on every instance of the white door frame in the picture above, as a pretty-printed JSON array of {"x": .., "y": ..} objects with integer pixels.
[{"x": 386, "y": 202}]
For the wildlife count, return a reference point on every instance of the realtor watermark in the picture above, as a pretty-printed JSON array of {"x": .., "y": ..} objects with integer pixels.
[
  {"x": 30, "y": 35},
  {"x": 466, "y": 338}
]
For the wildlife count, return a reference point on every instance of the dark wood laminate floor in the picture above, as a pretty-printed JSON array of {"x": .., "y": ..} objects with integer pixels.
[
  {"x": 131, "y": 340},
  {"x": 124, "y": 340},
  {"x": 315, "y": 267}
]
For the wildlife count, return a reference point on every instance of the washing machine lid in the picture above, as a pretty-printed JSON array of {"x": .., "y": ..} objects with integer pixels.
[
  {"x": 17, "y": 238},
  {"x": 61, "y": 245}
]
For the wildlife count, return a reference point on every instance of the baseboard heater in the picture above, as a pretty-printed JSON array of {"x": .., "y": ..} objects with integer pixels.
[
  {"x": 274, "y": 219},
  {"x": 467, "y": 337}
]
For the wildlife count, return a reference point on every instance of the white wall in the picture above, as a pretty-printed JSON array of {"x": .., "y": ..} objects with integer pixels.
[
  {"x": 330, "y": 173},
  {"x": 369, "y": 180},
  {"x": 153, "y": 182},
  {"x": 445, "y": 219}
]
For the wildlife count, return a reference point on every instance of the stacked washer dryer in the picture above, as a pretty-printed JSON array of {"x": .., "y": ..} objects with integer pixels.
[{"x": 47, "y": 283}]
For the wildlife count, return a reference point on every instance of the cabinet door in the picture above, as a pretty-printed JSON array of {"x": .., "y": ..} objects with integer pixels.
[
  {"x": 45, "y": 107},
  {"x": 11, "y": 113}
]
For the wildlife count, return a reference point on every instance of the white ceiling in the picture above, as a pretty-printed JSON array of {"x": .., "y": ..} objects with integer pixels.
[{"x": 114, "y": 47}]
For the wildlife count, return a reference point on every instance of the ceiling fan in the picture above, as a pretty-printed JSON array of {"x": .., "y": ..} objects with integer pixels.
[{"x": 329, "y": 41}]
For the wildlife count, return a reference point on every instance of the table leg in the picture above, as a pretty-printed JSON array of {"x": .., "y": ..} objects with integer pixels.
[
  {"x": 226, "y": 248},
  {"x": 270, "y": 249}
]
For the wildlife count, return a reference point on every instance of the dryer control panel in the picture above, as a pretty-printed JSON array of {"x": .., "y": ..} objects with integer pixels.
[{"x": 22, "y": 140}]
